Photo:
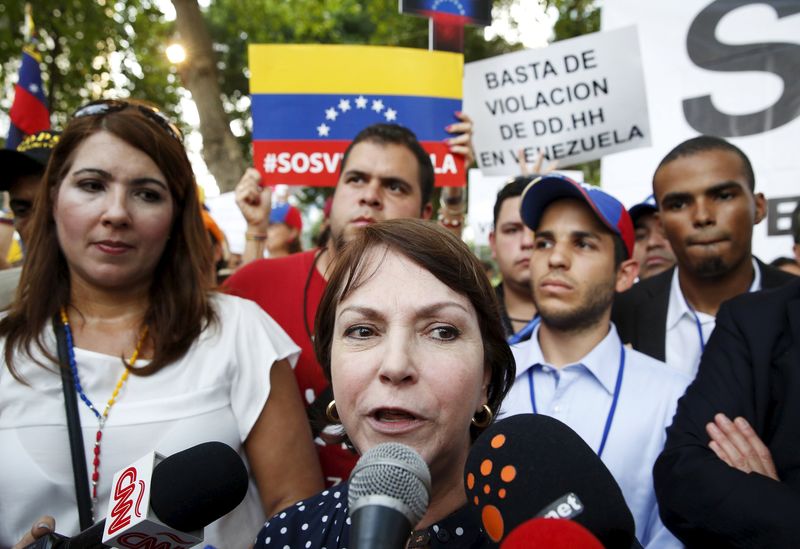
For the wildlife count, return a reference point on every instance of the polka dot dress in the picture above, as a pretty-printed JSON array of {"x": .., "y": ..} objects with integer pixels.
[{"x": 322, "y": 522}]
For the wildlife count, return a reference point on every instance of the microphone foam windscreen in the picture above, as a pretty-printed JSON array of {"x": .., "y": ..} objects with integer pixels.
[
  {"x": 195, "y": 487},
  {"x": 533, "y": 465},
  {"x": 552, "y": 534},
  {"x": 394, "y": 470}
]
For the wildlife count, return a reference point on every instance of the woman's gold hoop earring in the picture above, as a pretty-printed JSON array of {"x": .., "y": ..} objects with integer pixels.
[
  {"x": 483, "y": 418},
  {"x": 331, "y": 413}
]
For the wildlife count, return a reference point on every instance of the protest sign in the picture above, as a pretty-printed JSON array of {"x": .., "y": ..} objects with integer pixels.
[
  {"x": 574, "y": 101},
  {"x": 309, "y": 101},
  {"x": 730, "y": 69}
]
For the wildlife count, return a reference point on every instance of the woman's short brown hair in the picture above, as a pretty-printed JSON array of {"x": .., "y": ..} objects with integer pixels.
[
  {"x": 445, "y": 257},
  {"x": 179, "y": 306}
]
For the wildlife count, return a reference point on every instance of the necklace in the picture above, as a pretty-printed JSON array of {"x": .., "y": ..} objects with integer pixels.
[
  {"x": 520, "y": 320},
  {"x": 101, "y": 417},
  {"x": 306, "y": 286},
  {"x": 698, "y": 324}
]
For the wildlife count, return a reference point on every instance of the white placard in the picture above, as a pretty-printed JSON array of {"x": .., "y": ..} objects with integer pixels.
[
  {"x": 483, "y": 191},
  {"x": 745, "y": 58},
  {"x": 229, "y": 217},
  {"x": 573, "y": 101}
]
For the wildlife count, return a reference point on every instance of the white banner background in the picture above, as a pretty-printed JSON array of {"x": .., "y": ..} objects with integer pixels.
[{"x": 671, "y": 77}]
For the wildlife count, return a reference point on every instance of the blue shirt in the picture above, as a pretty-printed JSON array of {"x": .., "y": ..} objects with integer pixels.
[{"x": 580, "y": 395}]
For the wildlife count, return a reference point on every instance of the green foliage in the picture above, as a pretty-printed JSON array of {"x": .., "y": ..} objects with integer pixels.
[
  {"x": 91, "y": 50},
  {"x": 116, "y": 47},
  {"x": 575, "y": 17}
]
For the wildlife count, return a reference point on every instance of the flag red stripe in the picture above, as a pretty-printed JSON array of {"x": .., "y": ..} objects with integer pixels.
[
  {"x": 28, "y": 113},
  {"x": 315, "y": 163}
]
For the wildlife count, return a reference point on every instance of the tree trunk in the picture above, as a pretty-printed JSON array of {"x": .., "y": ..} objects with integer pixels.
[{"x": 221, "y": 151}]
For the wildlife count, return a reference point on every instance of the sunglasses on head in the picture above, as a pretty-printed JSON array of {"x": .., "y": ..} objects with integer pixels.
[{"x": 105, "y": 106}]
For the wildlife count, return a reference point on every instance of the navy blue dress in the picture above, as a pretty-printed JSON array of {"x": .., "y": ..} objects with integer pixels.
[{"x": 321, "y": 522}]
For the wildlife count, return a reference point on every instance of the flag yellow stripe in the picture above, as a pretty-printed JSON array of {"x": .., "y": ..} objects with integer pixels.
[
  {"x": 33, "y": 53},
  {"x": 354, "y": 69}
]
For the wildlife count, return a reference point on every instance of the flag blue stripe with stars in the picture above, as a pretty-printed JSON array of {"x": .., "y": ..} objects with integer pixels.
[{"x": 342, "y": 116}]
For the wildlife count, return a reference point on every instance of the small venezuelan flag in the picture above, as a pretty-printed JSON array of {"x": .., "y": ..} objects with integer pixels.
[
  {"x": 29, "y": 112},
  {"x": 310, "y": 101}
]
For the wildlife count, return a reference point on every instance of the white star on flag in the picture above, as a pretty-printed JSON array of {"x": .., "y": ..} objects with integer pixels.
[
  {"x": 391, "y": 115},
  {"x": 344, "y": 105},
  {"x": 361, "y": 102},
  {"x": 33, "y": 88},
  {"x": 377, "y": 105},
  {"x": 331, "y": 114},
  {"x": 323, "y": 130}
]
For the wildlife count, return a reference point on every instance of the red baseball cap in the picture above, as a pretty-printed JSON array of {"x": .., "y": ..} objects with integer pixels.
[
  {"x": 288, "y": 214},
  {"x": 610, "y": 211}
]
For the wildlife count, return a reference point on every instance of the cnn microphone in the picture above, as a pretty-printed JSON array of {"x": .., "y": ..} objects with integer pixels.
[
  {"x": 388, "y": 494},
  {"x": 164, "y": 502},
  {"x": 548, "y": 533},
  {"x": 530, "y": 466}
]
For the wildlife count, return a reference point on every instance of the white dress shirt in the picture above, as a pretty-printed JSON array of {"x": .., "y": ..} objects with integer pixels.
[
  {"x": 580, "y": 395},
  {"x": 682, "y": 345}
]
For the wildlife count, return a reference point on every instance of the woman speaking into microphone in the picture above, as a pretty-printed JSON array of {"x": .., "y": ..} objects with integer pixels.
[
  {"x": 408, "y": 332},
  {"x": 115, "y": 293}
]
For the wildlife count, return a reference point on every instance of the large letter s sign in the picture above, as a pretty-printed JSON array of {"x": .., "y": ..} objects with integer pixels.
[{"x": 781, "y": 59}]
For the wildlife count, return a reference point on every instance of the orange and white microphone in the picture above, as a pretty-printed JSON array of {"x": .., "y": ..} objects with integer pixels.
[{"x": 531, "y": 466}]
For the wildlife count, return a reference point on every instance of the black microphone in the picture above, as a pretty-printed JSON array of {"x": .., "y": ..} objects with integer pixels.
[
  {"x": 531, "y": 466},
  {"x": 388, "y": 494},
  {"x": 187, "y": 491}
]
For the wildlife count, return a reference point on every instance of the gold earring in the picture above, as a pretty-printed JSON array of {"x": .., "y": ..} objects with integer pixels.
[
  {"x": 331, "y": 413},
  {"x": 486, "y": 420}
]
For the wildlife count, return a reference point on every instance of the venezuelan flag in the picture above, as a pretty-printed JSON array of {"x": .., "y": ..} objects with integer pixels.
[
  {"x": 309, "y": 101},
  {"x": 29, "y": 112}
]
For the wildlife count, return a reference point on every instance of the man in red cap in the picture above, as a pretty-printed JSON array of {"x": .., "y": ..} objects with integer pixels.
[{"x": 574, "y": 367}]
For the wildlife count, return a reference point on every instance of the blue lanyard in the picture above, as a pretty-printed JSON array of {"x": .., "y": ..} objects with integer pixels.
[
  {"x": 614, "y": 399},
  {"x": 698, "y": 324}
]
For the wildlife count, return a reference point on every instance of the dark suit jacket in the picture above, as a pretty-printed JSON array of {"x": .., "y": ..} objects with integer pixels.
[
  {"x": 750, "y": 368},
  {"x": 640, "y": 314}
]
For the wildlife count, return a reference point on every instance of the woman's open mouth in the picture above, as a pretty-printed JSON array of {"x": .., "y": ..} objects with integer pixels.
[
  {"x": 393, "y": 420},
  {"x": 393, "y": 415}
]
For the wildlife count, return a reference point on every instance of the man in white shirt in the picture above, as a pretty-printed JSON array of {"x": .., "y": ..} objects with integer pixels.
[
  {"x": 574, "y": 367},
  {"x": 705, "y": 190}
]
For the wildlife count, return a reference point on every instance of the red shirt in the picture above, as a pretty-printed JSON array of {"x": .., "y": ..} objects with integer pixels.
[{"x": 289, "y": 290}]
